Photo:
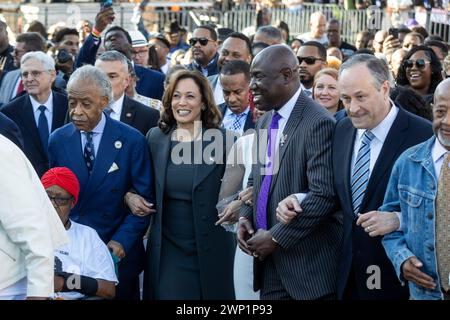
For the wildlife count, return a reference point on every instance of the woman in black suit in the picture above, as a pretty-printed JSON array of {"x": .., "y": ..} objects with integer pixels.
[{"x": 188, "y": 256}]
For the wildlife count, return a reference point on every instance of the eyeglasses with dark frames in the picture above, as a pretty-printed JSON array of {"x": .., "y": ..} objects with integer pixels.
[
  {"x": 308, "y": 60},
  {"x": 420, "y": 63},
  {"x": 203, "y": 41}
]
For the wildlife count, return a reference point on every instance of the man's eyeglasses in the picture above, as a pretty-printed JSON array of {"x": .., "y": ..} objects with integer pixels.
[
  {"x": 139, "y": 53},
  {"x": 203, "y": 41},
  {"x": 60, "y": 201},
  {"x": 420, "y": 63},
  {"x": 308, "y": 60},
  {"x": 34, "y": 74}
]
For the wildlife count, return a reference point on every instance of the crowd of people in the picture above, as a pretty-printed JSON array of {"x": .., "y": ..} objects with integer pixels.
[{"x": 219, "y": 164}]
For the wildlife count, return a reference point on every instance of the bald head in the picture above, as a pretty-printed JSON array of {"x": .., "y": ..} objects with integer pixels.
[
  {"x": 277, "y": 57},
  {"x": 441, "y": 110},
  {"x": 317, "y": 24},
  {"x": 274, "y": 77},
  {"x": 443, "y": 87}
]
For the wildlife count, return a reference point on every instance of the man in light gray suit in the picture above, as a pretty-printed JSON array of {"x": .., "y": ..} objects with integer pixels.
[{"x": 296, "y": 260}]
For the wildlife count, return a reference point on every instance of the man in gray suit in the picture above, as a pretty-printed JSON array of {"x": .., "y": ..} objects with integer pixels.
[{"x": 298, "y": 260}]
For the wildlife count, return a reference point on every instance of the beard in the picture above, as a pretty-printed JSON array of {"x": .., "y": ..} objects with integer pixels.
[{"x": 443, "y": 140}]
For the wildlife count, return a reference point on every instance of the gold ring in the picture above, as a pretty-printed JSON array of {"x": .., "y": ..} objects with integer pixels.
[
  {"x": 255, "y": 254},
  {"x": 368, "y": 229}
]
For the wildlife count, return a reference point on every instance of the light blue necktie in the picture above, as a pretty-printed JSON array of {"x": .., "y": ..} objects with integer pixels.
[{"x": 360, "y": 176}]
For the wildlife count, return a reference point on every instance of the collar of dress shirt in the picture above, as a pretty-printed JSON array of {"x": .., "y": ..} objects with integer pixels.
[
  {"x": 48, "y": 104},
  {"x": 285, "y": 111},
  {"x": 309, "y": 90},
  {"x": 438, "y": 151},
  {"x": 117, "y": 105},
  {"x": 229, "y": 113},
  {"x": 100, "y": 125},
  {"x": 382, "y": 129}
]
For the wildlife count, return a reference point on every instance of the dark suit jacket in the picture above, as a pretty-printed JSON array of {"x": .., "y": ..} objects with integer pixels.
[
  {"x": 249, "y": 124},
  {"x": 138, "y": 116},
  {"x": 360, "y": 250},
  {"x": 10, "y": 130},
  {"x": 150, "y": 83},
  {"x": 212, "y": 68},
  {"x": 307, "y": 257},
  {"x": 21, "y": 112},
  {"x": 101, "y": 200},
  {"x": 216, "y": 247}
]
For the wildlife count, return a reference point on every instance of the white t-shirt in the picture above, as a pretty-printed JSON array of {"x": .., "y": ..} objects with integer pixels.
[{"x": 85, "y": 254}]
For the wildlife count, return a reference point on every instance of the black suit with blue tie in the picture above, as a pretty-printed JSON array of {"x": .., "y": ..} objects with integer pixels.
[{"x": 360, "y": 251}]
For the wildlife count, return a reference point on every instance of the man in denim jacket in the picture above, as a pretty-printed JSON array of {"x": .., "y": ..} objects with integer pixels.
[{"x": 414, "y": 190}]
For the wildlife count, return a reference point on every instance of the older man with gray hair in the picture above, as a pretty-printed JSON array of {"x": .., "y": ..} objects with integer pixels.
[
  {"x": 39, "y": 112},
  {"x": 109, "y": 158},
  {"x": 115, "y": 65}
]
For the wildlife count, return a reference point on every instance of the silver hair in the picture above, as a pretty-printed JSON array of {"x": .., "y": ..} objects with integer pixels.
[
  {"x": 114, "y": 55},
  {"x": 46, "y": 60},
  {"x": 378, "y": 67},
  {"x": 94, "y": 76}
]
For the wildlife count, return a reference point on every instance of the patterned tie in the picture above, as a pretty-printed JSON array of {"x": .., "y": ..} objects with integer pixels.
[
  {"x": 361, "y": 169},
  {"x": 236, "y": 126},
  {"x": 43, "y": 128},
  {"x": 443, "y": 223},
  {"x": 263, "y": 197},
  {"x": 89, "y": 155}
]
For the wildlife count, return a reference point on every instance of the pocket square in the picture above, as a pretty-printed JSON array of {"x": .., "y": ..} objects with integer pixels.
[{"x": 113, "y": 168}]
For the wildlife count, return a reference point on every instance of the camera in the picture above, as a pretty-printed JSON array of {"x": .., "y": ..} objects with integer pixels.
[{"x": 63, "y": 56}]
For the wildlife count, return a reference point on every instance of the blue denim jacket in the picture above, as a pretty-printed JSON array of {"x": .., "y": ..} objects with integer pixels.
[{"x": 412, "y": 191}]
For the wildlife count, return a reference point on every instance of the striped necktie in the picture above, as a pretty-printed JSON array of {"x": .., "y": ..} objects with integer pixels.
[{"x": 361, "y": 170}]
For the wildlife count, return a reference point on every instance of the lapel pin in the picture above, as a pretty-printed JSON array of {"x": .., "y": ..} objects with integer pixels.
[
  {"x": 118, "y": 144},
  {"x": 283, "y": 140},
  {"x": 128, "y": 115}
]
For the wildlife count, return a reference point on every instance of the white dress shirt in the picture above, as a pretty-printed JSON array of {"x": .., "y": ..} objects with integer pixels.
[
  {"x": 48, "y": 111},
  {"x": 285, "y": 112},
  {"x": 166, "y": 67},
  {"x": 218, "y": 93},
  {"x": 229, "y": 118},
  {"x": 116, "y": 108},
  {"x": 437, "y": 154},
  {"x": 97, "y": 136},
  {"x": 380, "y": 132}
]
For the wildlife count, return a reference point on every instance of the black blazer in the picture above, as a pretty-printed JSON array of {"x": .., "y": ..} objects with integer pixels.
[
  {"x": 360, "y": 250},
  {"x": 20, "y": 111},
  {"x": 249, "y": 124},
  {"x": 138, "y": 116},
  {"x": 10, "y": 130},
  {"x": 216, "y": 247}
]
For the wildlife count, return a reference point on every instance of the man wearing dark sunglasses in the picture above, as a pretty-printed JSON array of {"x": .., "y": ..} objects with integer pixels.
[
  {"x": 204, "y": 50},
  {"x": 312, "y": 57}
]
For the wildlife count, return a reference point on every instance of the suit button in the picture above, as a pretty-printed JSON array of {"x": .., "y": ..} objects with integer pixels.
[
  {"x": 200, "y": 188},
  {"x": 430, "y": 247},
  {"x": 430, "y": 215}
]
